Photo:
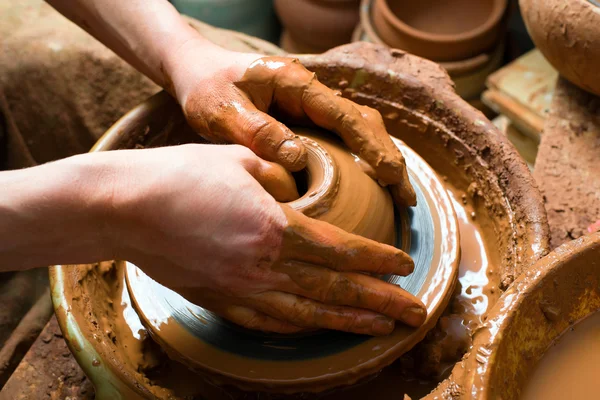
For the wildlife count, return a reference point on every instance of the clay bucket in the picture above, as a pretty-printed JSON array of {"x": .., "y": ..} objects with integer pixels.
[
  {"x": 559, "y": 290},
  {"x": 469, "y": 74},
  {"x": 442, "y": 31},
  {"x": 568, "y": 35},
  {"x": 420, "y": 107}
]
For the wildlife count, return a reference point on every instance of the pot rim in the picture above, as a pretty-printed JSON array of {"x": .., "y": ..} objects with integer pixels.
[
  {"x": 493, "y": 19},
  {"x": 506, "y": 311},
  {"x": 462, "y": 67}
]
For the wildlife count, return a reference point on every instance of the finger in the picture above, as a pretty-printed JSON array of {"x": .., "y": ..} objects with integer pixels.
[
  {"x": 402, "y": 192},
  {"x": 252, "y": 319},
  {"x": 311, "y": 314},
  {"x": 353, "y": 290},
  {"x": 275, "y": 179},
  {"x": 316, "y": 242},
  {"x": 295, "y": 91},
  {"x": 241, "y": 122}
]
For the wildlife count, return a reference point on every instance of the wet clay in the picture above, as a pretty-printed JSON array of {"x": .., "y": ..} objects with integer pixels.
[
  {"x": 569, "y": 369},
  {"x": 418, "y": 372},
  {"x": 419, "y": 106},
  {"x": 316, "y": 372}
]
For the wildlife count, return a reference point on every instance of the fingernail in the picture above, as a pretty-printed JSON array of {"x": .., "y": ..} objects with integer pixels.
[
  {"x": 292, "y": 155},
  {"x": 414, "y": 316},
  {"x": 382, "y": 326},
  {"x": 408, "y": 268}
]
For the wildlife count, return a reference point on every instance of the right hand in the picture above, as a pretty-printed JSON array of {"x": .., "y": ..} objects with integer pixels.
[{"x": 199, "y": 220}]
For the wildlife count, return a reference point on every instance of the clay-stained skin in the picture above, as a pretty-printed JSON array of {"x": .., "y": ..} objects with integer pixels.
[
  {"x": 570, "y": 368},
  {"x": 476, "y": 289},
  {"x": 285, "y": 86}
]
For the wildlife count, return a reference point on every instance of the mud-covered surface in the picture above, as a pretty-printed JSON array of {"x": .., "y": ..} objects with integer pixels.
[
  {"x": 567, "y": 169},
  {"x": 48, "y": 371}
]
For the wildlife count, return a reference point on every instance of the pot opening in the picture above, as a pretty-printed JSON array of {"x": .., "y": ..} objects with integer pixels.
[
  {"x": 450, "y": 17},
  {"x": 302, "y": 181}
]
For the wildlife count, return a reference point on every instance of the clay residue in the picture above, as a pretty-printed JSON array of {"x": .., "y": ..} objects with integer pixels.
[{"x": 567, "y": 164}]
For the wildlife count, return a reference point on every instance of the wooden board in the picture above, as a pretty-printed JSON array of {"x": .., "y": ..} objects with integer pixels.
[{"x": 523, "y": 91}]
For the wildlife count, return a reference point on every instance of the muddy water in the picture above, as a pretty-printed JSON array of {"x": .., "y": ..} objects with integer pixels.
[
  {"x": 571, "y": 367},
  {"x": 477, "y": 289}
]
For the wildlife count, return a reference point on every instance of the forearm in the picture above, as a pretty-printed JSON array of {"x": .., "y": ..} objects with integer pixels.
[
  {"x": 148, "y": 34},
  {"x": 56, "y": 213}
]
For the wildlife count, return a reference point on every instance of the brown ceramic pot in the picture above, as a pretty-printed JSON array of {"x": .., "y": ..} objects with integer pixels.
[
  {"x": 568, "y": 35},
  {"x": 440, "y": 30},
  {"x": 559, "y": 290},
  {"x": 419, "y": 106},
  {"x": 469, "y": 75},
  {"x": 317, "y": 24}
]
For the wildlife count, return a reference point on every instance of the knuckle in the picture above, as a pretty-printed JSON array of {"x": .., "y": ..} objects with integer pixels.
[{"x": 387, "y": 302}]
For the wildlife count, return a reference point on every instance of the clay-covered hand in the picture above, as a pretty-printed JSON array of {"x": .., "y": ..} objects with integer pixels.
[
  {"x": 205, "y": 225},
  {"x": 230, "y": 97}
]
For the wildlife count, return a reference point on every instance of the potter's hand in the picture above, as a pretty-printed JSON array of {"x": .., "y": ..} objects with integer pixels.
[
  {"x": 227, "y": 99},
  {"x": 200, "y": 222}
]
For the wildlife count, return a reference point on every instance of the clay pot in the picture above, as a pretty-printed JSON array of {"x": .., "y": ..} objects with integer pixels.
[
  {"x": 469, "y": 75},
  {"x": 568, "y": 35},
  {"x": 441, "y": 31},
  {"x": 419, "y": 106},
  {"x": 317, "y": 24},
  {"x": 559, "y": 290},
  {"x": 332, "y": 178}
]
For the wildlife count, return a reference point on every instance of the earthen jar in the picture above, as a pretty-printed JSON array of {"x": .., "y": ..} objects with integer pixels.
[
  {"x": 542, "y": 304},
  {"x": 318, "y": 24},
  {"x": 568, "y": 35},
  {"x": 440, "y": 30}
]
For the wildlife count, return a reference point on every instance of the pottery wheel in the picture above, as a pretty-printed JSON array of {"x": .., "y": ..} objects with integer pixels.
[{"x": 230, "y": 354}]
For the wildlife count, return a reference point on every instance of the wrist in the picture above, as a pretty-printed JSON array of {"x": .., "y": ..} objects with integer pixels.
[{"x": 54, "y": 214}]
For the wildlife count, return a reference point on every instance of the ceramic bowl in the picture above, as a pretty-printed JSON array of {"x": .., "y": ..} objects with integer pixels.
[
  {"x": 568, "y": 35},
  {"x": 558, "y": 291},
  {"x": 440, "y": 31},
  {"x": 419, "y": 106},
  {"x": 469, "y": 75},
  {"x": 318, "y": 24}
]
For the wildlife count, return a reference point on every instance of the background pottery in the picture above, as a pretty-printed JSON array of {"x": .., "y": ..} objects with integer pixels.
[
  {"x": 469, "y": 75},
  {"x": 252, "y": 17},
  {"x": 568, "y": 34},
  {"x": 419, "y": 106},
  {"x": 316, "y": 24},
  {"x": 440, "y": 31},
  {"x": 543, "y": 303}
]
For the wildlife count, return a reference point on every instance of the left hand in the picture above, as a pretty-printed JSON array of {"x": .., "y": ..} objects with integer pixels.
[{"x": 226, "y": 97}]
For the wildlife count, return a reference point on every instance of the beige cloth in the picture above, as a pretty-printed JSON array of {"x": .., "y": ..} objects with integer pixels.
[{"x": 60, "y": 89}]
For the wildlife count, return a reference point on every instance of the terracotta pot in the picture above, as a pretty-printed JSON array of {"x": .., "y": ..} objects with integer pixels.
[
  {"x": 559, "y": 290},
  {"x": 419, "y": 106},
  {"x": 318, "y": 24},
  {"x": 440, "y": 31},
  {"x": 568, "y": 35},
  {"x": 287, "y": 43},
  {"x": 469, "y": 75}
]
